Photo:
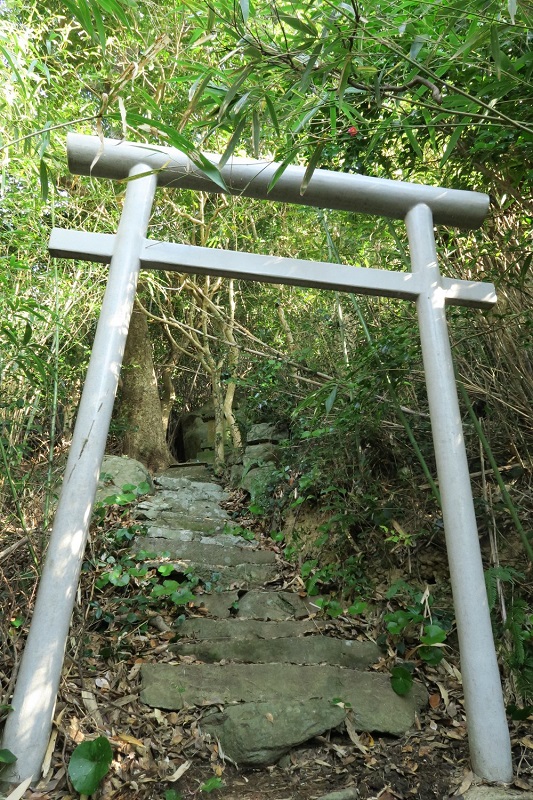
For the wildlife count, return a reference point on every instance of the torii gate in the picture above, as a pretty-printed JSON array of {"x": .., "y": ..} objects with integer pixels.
[{"x": 28, "y": 726}]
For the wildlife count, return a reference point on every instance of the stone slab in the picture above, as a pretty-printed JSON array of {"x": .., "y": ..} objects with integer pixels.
[
  {"x": 258, "y": 734},
  {"x": 375, "y": 706},
  {"x": 194, "y": 470},
  {"x": 290, "y": 650},
  {"x": 200, "y": 489},
  {"x": 265, "y": 432},
  {"x": 351, "y": 793},
  {"x": 178, "y": 535},
  {"x": 194, "y": 552},
  {"x": 241, "y": 576},
  {"x": 494, "y": 793},
  {"x": 274, "y": 606},
  {"x": 219, "y": 604},
  {"x": 172, "y": 521},
  {"x": 260, "y": 454},
  {"x": 200, "y": 628}
]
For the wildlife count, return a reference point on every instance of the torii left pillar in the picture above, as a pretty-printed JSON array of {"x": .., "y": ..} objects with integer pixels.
[{"x": 28, "y": 727}]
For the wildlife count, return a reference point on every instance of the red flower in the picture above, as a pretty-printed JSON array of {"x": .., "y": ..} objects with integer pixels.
[{"x": 353, "y": 131}]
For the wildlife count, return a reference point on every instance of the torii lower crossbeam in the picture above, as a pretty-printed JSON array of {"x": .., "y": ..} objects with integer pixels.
[{"x": 28, "y": 726}]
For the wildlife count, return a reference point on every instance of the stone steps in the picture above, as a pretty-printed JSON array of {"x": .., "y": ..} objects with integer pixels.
[{"x": 261, "y": 657}]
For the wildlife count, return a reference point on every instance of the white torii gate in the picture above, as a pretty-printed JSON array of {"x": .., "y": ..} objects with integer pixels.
[{"x": 28, "y": 726}]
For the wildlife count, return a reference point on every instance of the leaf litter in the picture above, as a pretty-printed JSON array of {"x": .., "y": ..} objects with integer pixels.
[{"x": 159, "y": 755}]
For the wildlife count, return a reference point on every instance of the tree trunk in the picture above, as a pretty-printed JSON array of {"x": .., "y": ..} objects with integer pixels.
[
  {"x": 218, "y": 402},
  {"x": 140, "y": 406}
]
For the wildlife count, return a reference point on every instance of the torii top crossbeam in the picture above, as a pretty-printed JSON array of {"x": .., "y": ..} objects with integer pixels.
[{"x": 111, "y": 158}]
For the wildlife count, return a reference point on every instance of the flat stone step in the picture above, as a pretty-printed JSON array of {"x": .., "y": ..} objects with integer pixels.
[
  {"x": 206, "y": 553},
  {"x": 184, "y": 504},
  {"x": 244, "y": 575},
  {"x": 215, "y": 630},
  {"x": 180, "y": 520},
  {"x": 195, "y": 471},
  {"x": 374, "y": 704},
  {"x": 290, "y": 650},
  {"x": 259, "y": 605},
  {"x": 180, "y": 484},
  {"x": 180, "y": 535},
  {"x": 241, "y": 576}
]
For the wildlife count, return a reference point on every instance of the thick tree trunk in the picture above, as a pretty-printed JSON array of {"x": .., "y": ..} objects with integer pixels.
[{"x": 145, "y": 437}]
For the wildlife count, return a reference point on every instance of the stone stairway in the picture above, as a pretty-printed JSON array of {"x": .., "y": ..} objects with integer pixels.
[{"x": 271, "y": 670}]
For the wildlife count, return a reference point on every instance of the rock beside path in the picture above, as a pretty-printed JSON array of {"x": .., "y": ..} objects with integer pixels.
[{"x": 257, "y": 734}]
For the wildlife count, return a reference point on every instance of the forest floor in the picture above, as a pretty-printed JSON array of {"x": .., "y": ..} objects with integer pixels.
[{"x": 163, "y": 756}]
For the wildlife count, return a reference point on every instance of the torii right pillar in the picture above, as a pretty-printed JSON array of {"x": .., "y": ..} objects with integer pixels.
[{"x": 488, "y": 733}]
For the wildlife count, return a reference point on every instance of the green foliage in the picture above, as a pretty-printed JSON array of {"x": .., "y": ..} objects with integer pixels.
[
  {"x": 408, "y": 626},
  {"x": 6, "y": 758},
  {"x": 89, "y": 763},
  {"x": 237, "y": 530},
  {"x": 515, "y": 631},
  {"x": 401, "y": 680},
  {"x": 212, "y": 784},
  {"x": 139, "y": 584},
  {"x": 348, "y": 576}
]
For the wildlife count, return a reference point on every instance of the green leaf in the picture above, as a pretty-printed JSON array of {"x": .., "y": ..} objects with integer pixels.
[
  {"x": 519, "y": 713},
  {"x": 411, "y": 138},
  {"x": 331, "y": 399},
  {"x": 180, "y": 142},
  {"x": 302, "y": 122},
  {"x": 357, "y": 608},
  {"x": 209, "y": 170},
  {"x": 256, "y": 133},
  {"x": 12, "y": 63},
  {"x": 431, "y": 655},
  {"x": 212, "y": 784},
  {"x": 100, "y": 27},
  {"x": 115, "y": 10},
  {"x": 230, "y": 147},
  {"x": 401, "y": 680},
  {"x": 526, "y": 264},
  {"x": 454, "y": 138},
  {"x": 245, "y": 10},
  {"x": 433, "y": 634},
  {"x": 27, "y": 333},
  {"x": 333, "y": 609},
  {"x": 43, "y": 179},
  {"x": 304, "y": 27},
  {"x": 345, "y": 74},
  {"x": 118, "y": 577},
  {"x": 495, "y": 50},
  {"x": 89, "y": 763},
  {"x": 272, "y": 113},
  {"x": 311, "y": 166},
  {"x": 7, "y": 757},
  {"x": 234, "y": 88},
  {"x": 280, "y": 170},
  {"x": 183, "y": 597}
]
